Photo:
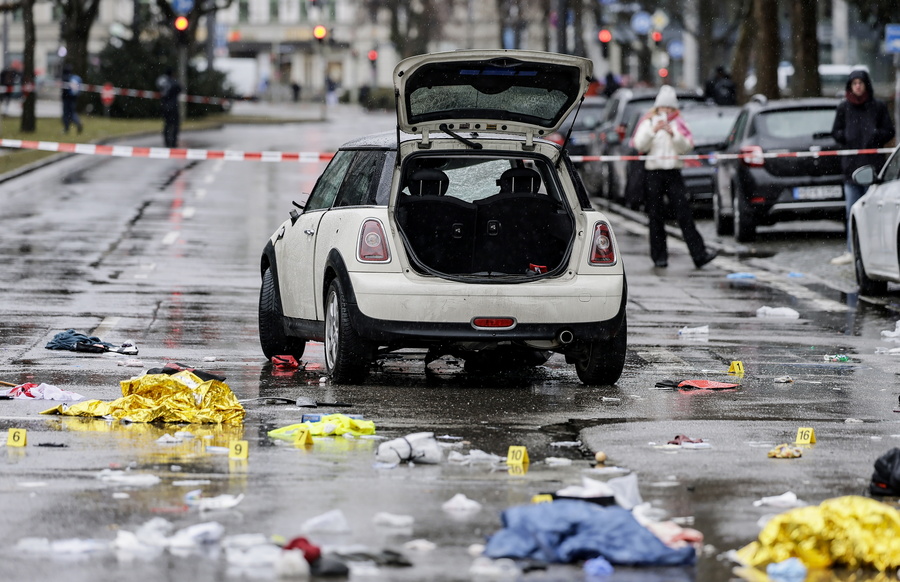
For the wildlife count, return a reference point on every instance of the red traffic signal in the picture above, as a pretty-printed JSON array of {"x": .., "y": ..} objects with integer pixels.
[
  {"x": 182, "y": 26},
  {"x": 181, "y": 23},
  {"x": 656, "y": 36},
  {"x": 320, "y": 32},
  {"x": 663, "y": 72},
  {"x": 604, "y": 36},
  {"x": 373, "y": 55}
]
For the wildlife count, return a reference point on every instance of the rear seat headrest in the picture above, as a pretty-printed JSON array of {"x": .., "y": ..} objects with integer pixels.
[
  {"x": 519, "y": 180},
  {"x": 428, "y": 182}
]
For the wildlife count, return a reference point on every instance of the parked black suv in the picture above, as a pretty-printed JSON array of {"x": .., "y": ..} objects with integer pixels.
[{"x": 758, "y": 190}]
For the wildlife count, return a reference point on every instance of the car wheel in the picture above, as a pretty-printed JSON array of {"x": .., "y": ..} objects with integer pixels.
[
  {"x": 272, "y": 338},
  {"x": 744, "y": 221},
  {"x": 867, "y": 286},
  {"x": 347, "y": 356},
  {"x": 724, "y": 224},
  {"x": 602, "y": 362}
]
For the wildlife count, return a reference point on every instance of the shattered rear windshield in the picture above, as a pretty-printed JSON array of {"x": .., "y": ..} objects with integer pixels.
[{"x": 523, "y": 92}]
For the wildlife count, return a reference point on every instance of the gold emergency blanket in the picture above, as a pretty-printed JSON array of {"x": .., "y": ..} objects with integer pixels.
[
  {"x": 851, "y": 531},
  {"x": 181, "y": 397}
]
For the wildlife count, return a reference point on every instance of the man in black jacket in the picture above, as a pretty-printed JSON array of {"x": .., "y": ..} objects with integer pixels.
[{"x": 861, "y": 122}]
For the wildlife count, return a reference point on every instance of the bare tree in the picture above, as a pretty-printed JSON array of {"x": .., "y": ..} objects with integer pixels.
[
  {"x": 78, "y": 18},
  {"x": 28, "y": 122},
  {"x": 201, "y": 8},
  {"x": 740, "y": 62},
  {"x": 768, "y": 47},
  {"x": 805, "y": 45},
  {"x": 414, "y": 24}
]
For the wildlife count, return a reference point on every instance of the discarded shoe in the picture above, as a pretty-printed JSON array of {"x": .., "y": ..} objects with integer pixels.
[
  {"x": 844, "y": 259},
  {"x": 710, "y": 255}
]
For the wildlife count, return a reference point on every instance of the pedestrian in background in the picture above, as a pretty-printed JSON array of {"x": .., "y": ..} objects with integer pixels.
[
  {"x": 663, "y": 134},
  {"x": 169, "y": 89},
  {"x": 720, "y": 89},
  {"x": 861, "y": 122},
  {"x": 71, "y": 87}
]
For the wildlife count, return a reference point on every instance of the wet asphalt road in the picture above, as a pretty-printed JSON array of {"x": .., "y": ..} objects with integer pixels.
[{"x": 166, "y": 253}]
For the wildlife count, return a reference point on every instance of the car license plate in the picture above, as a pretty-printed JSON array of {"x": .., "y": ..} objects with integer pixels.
[{"x": 818, "y": 192}]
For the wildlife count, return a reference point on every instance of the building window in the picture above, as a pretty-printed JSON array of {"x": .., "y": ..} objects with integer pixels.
[
  {"x": 273, "y": 10},
  {"x": 244, "y": 11}
]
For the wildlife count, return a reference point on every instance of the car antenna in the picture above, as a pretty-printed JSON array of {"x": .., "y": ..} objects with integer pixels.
[{"x": 565, "y": 142}]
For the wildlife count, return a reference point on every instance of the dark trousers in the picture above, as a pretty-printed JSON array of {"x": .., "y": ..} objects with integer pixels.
[
  {"x": 70, "y": 114},
  {"x": 171, "y": 125},
  {"x": 662, "y": 184}
]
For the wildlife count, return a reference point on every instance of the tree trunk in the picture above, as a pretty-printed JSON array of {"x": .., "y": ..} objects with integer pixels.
[
  {"x": 768, "y": 47},
  {"x": 806, "y": 82},
  {"x": 79, "y": 18},
  {"x": 704, "y": 31},
  {"x": 578, "y": 48},
  {"x": 29, "y": 120},
  {"x": 740, "y": 63}
]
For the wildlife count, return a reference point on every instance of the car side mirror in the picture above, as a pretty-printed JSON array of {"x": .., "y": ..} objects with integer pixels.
[{"x": 864, "y": 176}]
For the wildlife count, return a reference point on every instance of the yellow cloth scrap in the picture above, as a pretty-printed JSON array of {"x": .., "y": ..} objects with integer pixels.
[
  {"x": 333, "y": 424},
  {"x": 785, "y": 452},
  {"x": 852, "y": 531},
  {"x": 181, "y": 397}
]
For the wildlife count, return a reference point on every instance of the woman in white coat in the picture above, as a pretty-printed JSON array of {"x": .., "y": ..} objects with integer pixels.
[{"x": 663, "y": 134}]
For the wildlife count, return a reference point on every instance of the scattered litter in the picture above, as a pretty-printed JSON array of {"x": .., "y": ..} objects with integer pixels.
[
  {"x": 702, "y": 330},
  {"x": 183, "y": 434},
  {"x": 785, "y": 451},
  {"x": 213, "y": 450},
  {"x": 209, "y": 358},
  {"x": 836, "y": 358},
  {"x": 850, "y": 530},
  {"x": 191, "y": 482},
  {"x": 120, "y": 495},
  {"x": 127, "y": 478},
  {"x": 484, "y": 568},
  {"x": 449, "y": 437},
  {"x": 225, "y": 501},
  {"x": 180, "y": 397},
  {"x": 419, "y": 545},
  {"x": 557, "y": 462},
  {"x": 566, "y": 444},
  {"x": 694, "y": 385},
  {"x": 419, "y": 447},
  {"x": 777, "y": 312},
  {"x": 609, "y": 399},
  {"x": 31, "y": 391},
  {"x": 474, "y": 456},
  {"x": 589, "y": 489},
  {"x": 131, "y": 363},
  {"x": 52, "y": 445},
  {"x": 459, "y": 503},
  {"x": 475, "y": 550},
  {"x": 682, "y": 439},
  {"x": 740, "y": 276},
  {"x": 787, "y": 499},
  {"x": 572, "y": 530},
  {"x": 600, "y": 457},
  {"x": 332, "y": 521},
  {"x": 888, "y": 351},
  {"x": 607, "y": 470},
  {"x": 853, "y": 421},
  {"x": 790, "y": 570},
  {"x": 795, "y": 275},
  {"x": 892, "y": 335},
  {"x": 383, "y": 519},
  {"x": 626, "y": 491},
  {"x": 886, "y": 478},
  {"x": 74, "y": 341},
  {"x": 32, "y": 484},
  {"x": 783, "y": 380},
  {"x": 285, "y": 362},
  {"x": 168, "y": 439}
]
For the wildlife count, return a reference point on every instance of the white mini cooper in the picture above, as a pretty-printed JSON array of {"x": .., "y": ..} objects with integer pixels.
[{"x": 464, "y": 233}]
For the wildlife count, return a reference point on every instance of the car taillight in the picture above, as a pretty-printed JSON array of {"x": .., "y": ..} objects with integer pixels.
[
  {"x": 602, "y": 251},
  {"x": 693, "y": 164},
  {"x": 752, "y": 156},
  {"x": 373, "y": 246},
  {"x": 620, "y": 129}
]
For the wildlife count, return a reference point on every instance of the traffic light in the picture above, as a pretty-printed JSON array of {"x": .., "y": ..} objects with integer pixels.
[
  {"x": 320, "y": 32},
  {"x": 373, "y": 57},
  {"x": 182, "y": 30},
  {"x": 656, "y": 37},
  {"x": 663, "y": 72},
  {"x": 605, "y": 37}
]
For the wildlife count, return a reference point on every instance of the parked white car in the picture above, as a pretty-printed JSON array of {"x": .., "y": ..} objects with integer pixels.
[
  {"x": 465, "y": 232},
  {"x": 875, "y": 227}
]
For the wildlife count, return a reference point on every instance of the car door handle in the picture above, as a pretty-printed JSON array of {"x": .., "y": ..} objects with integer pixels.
[{"x": 309, "y": 232}]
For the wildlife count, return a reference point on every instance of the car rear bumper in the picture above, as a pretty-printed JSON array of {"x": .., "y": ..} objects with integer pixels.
[{"x": 775, "y": 197}]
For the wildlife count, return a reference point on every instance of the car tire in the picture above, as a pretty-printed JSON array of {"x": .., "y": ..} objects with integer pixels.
[
  {"x": 272, "y": 337},
  {"x": 347, "y": 355},
  {"x": 867, "y": 286},
  {"x": 602, "y": 362},
  {"x": 724, "y": 224},
  {"x": 744, "y": 220}
]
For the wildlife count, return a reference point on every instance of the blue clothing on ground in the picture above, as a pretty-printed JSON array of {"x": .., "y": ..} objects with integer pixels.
[
  {"x": 566, "y": 531},
  {"x": 68, "y": 340}
]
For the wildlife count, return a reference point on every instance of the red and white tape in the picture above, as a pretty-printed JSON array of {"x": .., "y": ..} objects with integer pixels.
[
  {"x": 315, "y": 157},
  {"x": 140, "y": 93},
  {"x": 717, "y": 156},
  {"x": 122, "y": 151}
]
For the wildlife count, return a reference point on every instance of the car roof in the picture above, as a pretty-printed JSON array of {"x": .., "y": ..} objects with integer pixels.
[{"x": 778, "y": 104}]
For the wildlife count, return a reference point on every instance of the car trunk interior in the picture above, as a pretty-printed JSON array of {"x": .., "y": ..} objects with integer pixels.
[{"x": 455, "y": 230}]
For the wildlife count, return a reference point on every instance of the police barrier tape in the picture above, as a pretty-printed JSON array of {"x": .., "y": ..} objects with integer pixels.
[
  {"x": 313, "y": 157},
  {"x": 140, "y": 93}
]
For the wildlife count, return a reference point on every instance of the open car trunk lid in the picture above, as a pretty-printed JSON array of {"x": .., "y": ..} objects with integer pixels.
[{"x": 508, "y": 91}]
